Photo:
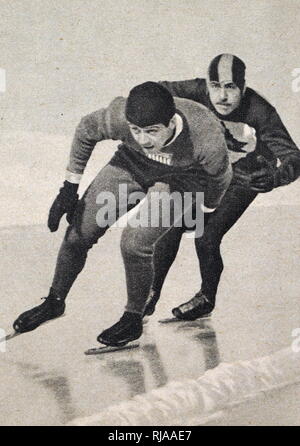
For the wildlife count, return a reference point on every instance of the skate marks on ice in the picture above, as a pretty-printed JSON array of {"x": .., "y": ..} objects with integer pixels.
[{"x": 194, "y": 401}]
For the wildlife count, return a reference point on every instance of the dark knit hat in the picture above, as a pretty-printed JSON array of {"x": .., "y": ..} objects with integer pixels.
[
  {"x": 149, "y": 103},
  {"x": 227, "y": 67}
]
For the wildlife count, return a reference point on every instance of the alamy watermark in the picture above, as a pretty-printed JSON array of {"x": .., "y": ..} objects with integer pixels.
[
  {"x": 296, "y": 81},
  {"x": 2, "y": 80},
  {"x": 160, "y": 209}
]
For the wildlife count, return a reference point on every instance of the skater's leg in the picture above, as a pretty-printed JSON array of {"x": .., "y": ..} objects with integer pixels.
[
  {"x": 143, "y": 254},
  {"x": 166, "y": 249},
  {"x": 145, "y": 248},
  {"x": 138, "y": 247},
  {"x": 165, "y": 252},
  {"x": 235, "y": 202},
  {"x": 138, "y": 260},
  {"x": 88, "y": 225}
]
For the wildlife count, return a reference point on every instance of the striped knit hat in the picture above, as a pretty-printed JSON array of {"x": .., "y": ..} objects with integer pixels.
[{"x": 227, "y": 67}]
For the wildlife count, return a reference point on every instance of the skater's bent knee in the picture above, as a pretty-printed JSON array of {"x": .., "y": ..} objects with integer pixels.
[
  {"x": 134, "y": 244},
  {"x": 80, "y": 240}
]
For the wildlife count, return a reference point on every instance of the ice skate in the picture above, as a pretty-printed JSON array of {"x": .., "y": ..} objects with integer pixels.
[
  {"x": 127, "y": 329},
  {"x": 52, "y": 308},
  {"x": 198, "y": 307}
]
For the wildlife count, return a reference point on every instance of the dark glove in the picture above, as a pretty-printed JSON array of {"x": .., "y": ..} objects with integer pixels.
[
  {"x": 64, "y": 203},
  {"x": 289, "y": 170},
  {"x": 264, "y": 179},
  {"x": 241, "y": 178}
]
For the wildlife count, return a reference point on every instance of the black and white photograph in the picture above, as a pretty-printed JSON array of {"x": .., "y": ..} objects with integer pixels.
[{"x": 149, "y": 215}]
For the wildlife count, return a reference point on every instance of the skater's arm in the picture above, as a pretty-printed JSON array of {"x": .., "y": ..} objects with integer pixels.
[
  {"x": 212, "y": 154},
  {"x": 273, "y": 134},
  {"x": 219, "y": 172},
  {"x": 103, "y": 124},
  {"x": 188, "y": 89}
]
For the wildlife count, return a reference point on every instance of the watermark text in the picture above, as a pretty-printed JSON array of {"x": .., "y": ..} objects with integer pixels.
[{"x": 159, "y": 209}]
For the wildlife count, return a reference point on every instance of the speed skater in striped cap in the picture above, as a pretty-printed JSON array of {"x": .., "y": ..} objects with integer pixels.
[
  {"x": 263, "y": 156},
  {"x": 226, "y": 83}
]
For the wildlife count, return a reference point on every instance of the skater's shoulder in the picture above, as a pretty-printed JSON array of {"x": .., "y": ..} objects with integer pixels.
[
  {"x": 118, "y": 102},
  {"x": 256, "y": 101},
  {"x": 197, "y": 116},
  {"x": 188, "y": 88},
  {"x": 115, "y": 109},
  {"x": 192, "y": 109}
]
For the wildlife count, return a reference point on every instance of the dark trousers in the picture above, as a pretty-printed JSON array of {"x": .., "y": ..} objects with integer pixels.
[
  {"x": 140, "y": 175},
  {"x": 234, "y": 203}
]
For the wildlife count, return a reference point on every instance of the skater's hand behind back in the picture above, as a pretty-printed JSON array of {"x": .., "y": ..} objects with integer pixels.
[{"x": 263, "y": 180}]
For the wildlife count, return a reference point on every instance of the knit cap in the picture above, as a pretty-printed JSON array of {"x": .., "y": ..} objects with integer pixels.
[{"x": 148, "y": 104}]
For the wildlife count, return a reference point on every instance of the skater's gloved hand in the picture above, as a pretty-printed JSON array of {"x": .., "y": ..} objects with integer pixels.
[
  {"x": 64, "y": 203},
  {"x": 241, "y": 178},
  {"x": 264, "y": 179}
]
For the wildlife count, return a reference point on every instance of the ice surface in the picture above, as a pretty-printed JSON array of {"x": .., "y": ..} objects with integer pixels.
[{"x": 257, "y": 311}]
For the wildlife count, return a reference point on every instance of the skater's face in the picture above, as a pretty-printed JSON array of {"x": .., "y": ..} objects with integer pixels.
[
  {"x": 153, "y": 137},
  {"x": 225, "y": 96}
]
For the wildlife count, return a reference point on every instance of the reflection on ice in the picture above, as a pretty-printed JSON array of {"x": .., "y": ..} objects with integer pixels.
[{"x": 132, "y": 369}]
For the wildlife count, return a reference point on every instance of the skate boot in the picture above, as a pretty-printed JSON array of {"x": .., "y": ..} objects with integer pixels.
[
  {"x": 52, "y": 307},
  {"x": 151, "y": 303},
  {"x": 199, "y": 306},
  {"x": 129, "y": 328}
]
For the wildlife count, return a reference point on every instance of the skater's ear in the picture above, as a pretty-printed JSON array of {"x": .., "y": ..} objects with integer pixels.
[
  {"x": 172, "y": 123},
  {"x": 206, "y": 87}
]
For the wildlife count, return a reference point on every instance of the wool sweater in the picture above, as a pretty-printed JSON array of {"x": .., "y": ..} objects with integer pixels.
[{"x": 201, "y": 143}]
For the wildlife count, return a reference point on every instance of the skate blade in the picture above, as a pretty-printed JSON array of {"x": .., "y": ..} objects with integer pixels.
[
  {"x": 110, "y": 349},
  {"x": 9, "y": 336},
  {"x": 169, "y": 320}
]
